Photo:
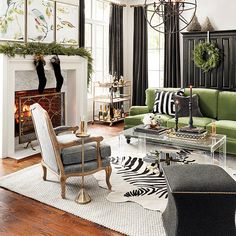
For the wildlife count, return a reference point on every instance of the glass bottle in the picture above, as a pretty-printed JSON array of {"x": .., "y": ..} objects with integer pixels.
[
  {"x": 213, "y": 128},
  {"x": 105, "y": 113},
  {"x": 100, "y": 115},
  {"x": 122, "y": 111},
  {"x": 111, "y": 112},
  {"x": 108, "y": 113}
]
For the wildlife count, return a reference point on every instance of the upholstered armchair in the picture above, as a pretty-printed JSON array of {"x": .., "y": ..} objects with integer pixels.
[{"x": 61, "y": 150}]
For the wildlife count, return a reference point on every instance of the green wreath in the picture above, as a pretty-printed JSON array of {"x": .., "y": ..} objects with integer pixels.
[{"x": 206, "y": 56}]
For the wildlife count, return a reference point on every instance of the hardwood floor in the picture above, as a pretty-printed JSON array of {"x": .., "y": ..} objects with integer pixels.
[{"x": 23, "y": 216}]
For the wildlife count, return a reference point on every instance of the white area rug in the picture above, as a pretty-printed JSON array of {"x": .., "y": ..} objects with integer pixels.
[
  {"x": 133, "y": 182},
  {"x": 127, "y": 218}
]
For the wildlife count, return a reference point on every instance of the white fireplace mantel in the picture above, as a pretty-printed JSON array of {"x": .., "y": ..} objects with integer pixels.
[{"x": 76, "y": 95}]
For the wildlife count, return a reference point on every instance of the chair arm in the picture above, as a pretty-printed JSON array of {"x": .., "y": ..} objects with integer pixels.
[
  {"x": 61, "y": 129},
  {"x": 78, "y": 141},
  {"x": 137, "y": 110}
]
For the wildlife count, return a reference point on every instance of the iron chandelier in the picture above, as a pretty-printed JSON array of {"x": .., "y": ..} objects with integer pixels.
[{"x": 160, "y": 12}]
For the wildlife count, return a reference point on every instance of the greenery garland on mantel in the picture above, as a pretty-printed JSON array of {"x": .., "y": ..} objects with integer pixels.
[
  {"x": 206, "y": 56},
  {"x": 47, "y": 49}
]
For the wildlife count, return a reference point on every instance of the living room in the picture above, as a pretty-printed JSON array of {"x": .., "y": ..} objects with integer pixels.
[{"x": 117, "y": 117}]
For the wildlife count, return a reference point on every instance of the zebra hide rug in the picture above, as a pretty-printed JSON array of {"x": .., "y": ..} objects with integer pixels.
[{"x": 132, "y": 181}]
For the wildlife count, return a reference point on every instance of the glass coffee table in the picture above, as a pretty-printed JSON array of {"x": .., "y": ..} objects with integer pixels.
[{"x": 214, "y": 146}]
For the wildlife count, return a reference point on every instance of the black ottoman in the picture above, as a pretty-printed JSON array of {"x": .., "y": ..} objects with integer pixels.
[{"x": 201, "y": 201}]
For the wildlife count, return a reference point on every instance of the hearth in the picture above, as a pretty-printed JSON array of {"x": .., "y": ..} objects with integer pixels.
[
  {"x": 53, "y": 102},
  {"x": 16, "y": 75}
]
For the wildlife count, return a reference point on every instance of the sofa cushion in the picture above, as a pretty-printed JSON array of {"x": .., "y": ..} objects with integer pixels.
[
  {"x": 137, "y": 110},
  {"x": 227, "y": 127},
  {"x": 183, "y": 121},
  {"x": 72, "y": 155},
  {"x": 151, "y": 94},
  {"x": 183, "y": 105},
  {"x": 208, "y": 101},
  {"x": 131, "y": 121},
  {"x": 162, "y": 118},
  {"x": 164, "y": 103},
  {"x": 226, "y": 108},
  {"x": 134, "y": 120}
]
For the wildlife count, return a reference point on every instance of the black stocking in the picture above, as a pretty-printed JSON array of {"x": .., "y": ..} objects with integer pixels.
[
  {"x": 39, "y": 64},
  {"x": 57, "y": 71}
]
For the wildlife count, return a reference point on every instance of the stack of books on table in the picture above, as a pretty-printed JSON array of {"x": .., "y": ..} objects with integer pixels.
[{"x": 148, "y": 130}]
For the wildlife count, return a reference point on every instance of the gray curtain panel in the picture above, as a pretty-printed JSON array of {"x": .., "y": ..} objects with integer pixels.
[
  {"x": 81, "y": 23},
  {"x": 140, "y": 57},
  {"x": 116, "y": 41},
  {"x": 172, "y": 76}
]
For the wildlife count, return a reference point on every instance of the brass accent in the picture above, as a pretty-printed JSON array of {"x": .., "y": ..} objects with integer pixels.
[
  {"x": 25, "y": 123},
  {"x": 83, "y": 197}
]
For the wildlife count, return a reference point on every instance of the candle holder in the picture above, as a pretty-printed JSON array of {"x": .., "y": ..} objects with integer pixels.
[
  {"x": 176, "y": 124},
  {"x": 176, "y": 116},
  {"x": 82, "y": 128},
  {"x": 190, "y": 115},
  {"x": 190, "y": 108}
]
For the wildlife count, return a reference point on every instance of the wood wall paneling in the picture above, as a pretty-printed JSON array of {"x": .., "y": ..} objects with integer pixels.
[{"x": 223, "y": 77}]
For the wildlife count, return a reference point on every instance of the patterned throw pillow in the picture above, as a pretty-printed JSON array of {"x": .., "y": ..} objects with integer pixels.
[
  {"x": 183, "y": 110},
  {"x": 164, "y": 103}
]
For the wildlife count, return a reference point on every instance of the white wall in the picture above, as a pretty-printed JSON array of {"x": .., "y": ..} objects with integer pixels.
[{"x": 222, "y": 16}]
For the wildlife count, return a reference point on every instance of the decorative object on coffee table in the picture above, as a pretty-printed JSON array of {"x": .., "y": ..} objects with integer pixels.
[
  {"x": 190, "y": 107},
  {"x": 213, "y": 128},
  {"x": 148, "y": 129},
  {"x": 159, "y": 157},
  {"x": 190, "y": 129},
  {"x": 176, "y": 115}
]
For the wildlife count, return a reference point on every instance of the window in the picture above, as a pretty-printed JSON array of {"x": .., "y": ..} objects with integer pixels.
[
  {"x": 96, "y": 36},
  {"x": 155, "y": 58}
]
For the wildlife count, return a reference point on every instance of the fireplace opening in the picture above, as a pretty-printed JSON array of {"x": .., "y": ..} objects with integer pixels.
[{"x": 53, "y": 102}]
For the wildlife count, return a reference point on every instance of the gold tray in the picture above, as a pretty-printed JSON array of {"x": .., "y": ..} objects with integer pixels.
[{"x": 82, "y": 135}]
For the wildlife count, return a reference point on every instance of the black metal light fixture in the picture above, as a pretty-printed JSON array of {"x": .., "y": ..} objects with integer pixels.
[{"x": 162, "y": 11}]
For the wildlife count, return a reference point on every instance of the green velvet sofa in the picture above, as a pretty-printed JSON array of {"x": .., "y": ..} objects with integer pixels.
[{"x": 214, "y": 105}]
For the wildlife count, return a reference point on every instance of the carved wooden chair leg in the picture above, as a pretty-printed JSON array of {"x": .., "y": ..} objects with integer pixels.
[
  {"x": 63, "y": 187},
  {"x": 108, "y": 171},
  {"x": 44, "y": 172}
]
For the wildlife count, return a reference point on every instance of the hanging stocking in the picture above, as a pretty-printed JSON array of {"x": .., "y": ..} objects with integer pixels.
[
  {"x": 39, "y": 63},
  {"x": 57, "y": 71}
]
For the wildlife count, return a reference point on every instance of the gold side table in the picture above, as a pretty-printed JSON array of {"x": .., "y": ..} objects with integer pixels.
[{"x": 83, "y": 197}]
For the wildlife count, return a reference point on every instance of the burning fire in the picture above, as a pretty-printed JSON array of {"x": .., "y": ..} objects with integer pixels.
[{"x": 25, "y": 112}]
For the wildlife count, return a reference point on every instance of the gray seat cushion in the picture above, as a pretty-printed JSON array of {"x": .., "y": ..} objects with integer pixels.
[
  {"x": 73, "y": 155},
  {"x": 199, "y": 178},
  {"x": 89, "y": 166}
]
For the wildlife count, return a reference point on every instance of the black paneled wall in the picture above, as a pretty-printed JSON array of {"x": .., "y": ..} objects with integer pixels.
[{"x": 223, "y": 77}]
